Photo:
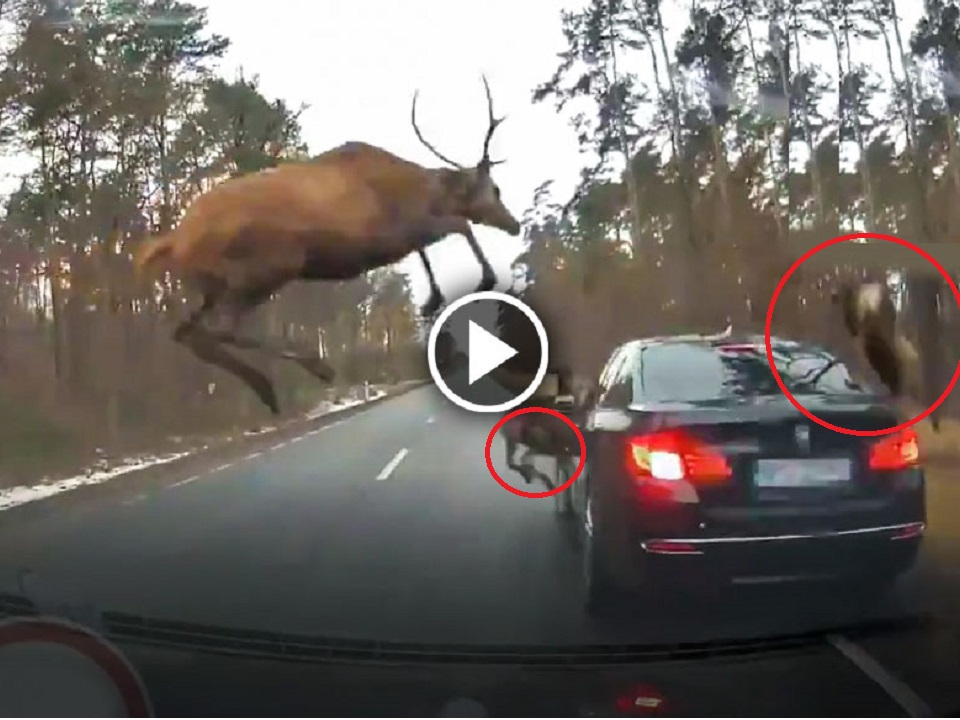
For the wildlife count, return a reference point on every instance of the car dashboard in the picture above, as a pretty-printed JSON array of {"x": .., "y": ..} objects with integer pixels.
[{"x": 201, "y": 670}]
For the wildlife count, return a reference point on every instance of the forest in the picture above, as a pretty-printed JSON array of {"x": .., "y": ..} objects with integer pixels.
[
  {"x": 112, "y": 119},
  {"x": 720, "y": 139},
  {"x": 724, "y": 138}
]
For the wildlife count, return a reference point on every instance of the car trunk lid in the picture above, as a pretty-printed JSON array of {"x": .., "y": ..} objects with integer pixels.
[{"x": 787, "y": 472}]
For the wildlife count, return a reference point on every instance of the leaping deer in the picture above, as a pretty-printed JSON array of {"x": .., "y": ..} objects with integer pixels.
[
  {"x": 870, "y": 316},
  {"x": 352, "y": 209}
]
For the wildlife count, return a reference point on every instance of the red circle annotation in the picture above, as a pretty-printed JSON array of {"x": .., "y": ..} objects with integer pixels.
[
  {"x": 776, "y": 295},
  {"x": 546, "y": 411}
]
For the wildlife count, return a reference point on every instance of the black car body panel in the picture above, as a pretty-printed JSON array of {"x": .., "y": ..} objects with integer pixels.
[{"x": 751, "y": 526}]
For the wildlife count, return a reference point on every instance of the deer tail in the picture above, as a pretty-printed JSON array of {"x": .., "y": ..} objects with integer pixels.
[{"x": 153, "y": 253}]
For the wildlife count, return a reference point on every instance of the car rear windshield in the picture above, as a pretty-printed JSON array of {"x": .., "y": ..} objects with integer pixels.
[{"x": 690, "y": 372}]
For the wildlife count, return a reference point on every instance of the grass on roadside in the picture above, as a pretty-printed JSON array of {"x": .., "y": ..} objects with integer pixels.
[
  {"x": 33, "y": 445},
  {"x": 36, "y": 444}
]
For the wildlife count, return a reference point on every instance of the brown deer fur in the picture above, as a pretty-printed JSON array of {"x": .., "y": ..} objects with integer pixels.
[
  {"x": 871, "y": 317},
  {"x": 350, "y": 210}
]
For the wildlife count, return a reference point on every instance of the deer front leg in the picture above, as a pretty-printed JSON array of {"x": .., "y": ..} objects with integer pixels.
[
  {"x": 454, "y": 224},
  {"x": 488, "y": 278},
  {"x": 436, "y": 297}
]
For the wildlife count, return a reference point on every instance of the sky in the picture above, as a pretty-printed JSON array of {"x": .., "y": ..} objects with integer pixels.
[{"x": 357, "y": 65}]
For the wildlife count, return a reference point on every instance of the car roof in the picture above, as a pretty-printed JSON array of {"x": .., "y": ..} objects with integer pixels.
[{"x": 720, "y": 339}]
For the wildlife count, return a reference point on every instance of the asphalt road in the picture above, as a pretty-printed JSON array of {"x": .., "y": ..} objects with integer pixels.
[{"x": 387, "y": 525}]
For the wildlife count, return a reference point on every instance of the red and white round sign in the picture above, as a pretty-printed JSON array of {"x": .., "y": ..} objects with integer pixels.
[{"x": 54, "y": 668}]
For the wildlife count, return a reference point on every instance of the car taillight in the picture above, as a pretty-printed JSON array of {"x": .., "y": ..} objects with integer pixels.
[
  {"x": 898, "y": 451},
  {"x": 675, "y": 455}
]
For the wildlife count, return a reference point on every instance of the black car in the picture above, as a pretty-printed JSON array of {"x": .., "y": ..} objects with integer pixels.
[{"x": 699, "y": 470}]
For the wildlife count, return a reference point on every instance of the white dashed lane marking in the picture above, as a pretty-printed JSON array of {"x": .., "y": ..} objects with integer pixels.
[{"x": 392, "y": 465}]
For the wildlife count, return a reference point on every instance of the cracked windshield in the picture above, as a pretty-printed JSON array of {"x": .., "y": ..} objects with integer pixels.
[{"x": 554, "y": 358}]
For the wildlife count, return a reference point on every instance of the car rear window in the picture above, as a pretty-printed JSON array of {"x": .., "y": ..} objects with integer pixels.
[{"x": 689, "y": 372}]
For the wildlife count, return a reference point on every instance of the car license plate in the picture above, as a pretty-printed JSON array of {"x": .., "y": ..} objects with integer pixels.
[{"x": 802, "y": 473}]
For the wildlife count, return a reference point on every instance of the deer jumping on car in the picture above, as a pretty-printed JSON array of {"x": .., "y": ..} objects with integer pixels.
[
  {"x": 870, "y": 316},
  {"x": 352, "y": 209}
]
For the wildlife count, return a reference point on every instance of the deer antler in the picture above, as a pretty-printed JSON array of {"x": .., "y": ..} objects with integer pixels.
[
  {"x": 431, "y": 148},
  {"x": 494, "y": 123}
]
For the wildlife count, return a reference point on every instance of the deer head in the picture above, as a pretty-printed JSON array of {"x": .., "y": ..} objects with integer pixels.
[{"x": 472, "y": 192}]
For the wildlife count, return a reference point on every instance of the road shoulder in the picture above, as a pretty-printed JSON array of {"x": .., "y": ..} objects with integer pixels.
[{"x": 195, "y": 463}]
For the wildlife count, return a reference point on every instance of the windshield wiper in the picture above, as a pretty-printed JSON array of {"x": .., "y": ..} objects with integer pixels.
[
  {"x": 818, "y": 373},
  {"x": 182, "y": 636}
]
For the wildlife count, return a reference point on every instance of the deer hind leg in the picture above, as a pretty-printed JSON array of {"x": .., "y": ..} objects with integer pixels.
[
  {"x": 238, "y": 304},
  {"x": 511, "y": 448},
  {"x": 193, "y": 335},
  {"x": 518, "y": 465},
  {"x": 522, "y": 464}
]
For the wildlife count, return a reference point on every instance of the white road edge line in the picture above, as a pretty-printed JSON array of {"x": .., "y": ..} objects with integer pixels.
[
  {"x": 392, "y": 465},
  {"x": 125, "y": 469},
  {"x": 251, "y": 456},
  {"x": 319, "y": 430},
  {"x": 901, "y": 693}
]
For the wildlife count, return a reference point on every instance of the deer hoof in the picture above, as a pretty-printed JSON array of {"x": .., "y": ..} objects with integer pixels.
[
  {"x": 487, "y": 283},
  {"x": 270, "y": 400},
  {"x": 432, "y": 305}
]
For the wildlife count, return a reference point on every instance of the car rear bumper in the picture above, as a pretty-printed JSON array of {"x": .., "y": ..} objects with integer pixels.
[{"x": 882, "y": 550}]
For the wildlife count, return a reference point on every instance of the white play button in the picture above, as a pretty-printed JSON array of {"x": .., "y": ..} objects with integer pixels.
[
  {"x": 477, "y": 337},
  {"x": 485, "y": 352}
]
